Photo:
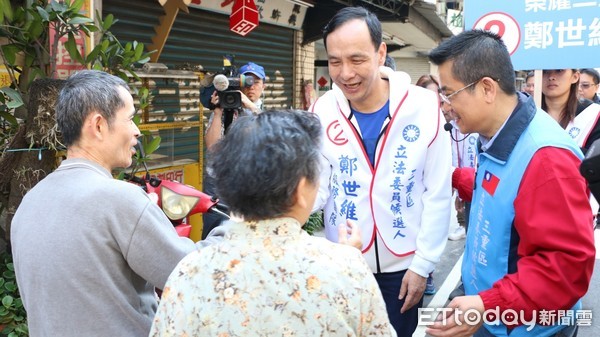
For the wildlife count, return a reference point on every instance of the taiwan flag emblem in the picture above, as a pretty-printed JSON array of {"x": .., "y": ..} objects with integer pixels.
[{"x": 490, "y": 182}]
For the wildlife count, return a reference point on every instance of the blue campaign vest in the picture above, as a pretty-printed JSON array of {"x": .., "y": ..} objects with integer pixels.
[{"x": 487, "y": 251}]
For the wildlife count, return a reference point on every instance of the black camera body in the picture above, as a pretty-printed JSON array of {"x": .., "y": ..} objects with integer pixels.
[{"x": 231, "y": 98}]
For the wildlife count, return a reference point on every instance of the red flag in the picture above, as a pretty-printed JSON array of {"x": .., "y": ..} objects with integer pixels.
[{"x": 490, "y": 182}]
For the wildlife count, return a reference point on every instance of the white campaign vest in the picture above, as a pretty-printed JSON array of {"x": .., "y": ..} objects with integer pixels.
[
  {"x": 580, "y": 128},
  {"x": 387, "y": 199},
  {"x": 464, "y": 150}
]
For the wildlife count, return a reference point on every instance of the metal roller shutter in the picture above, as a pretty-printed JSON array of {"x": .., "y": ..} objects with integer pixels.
[
  {"x": 415, "y": 67},
  {"x": 175, "y": 103},
  {"x": 203, "y": 37}
]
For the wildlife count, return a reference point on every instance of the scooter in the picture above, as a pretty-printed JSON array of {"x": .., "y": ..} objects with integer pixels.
[{"x": 177, "y": 200}]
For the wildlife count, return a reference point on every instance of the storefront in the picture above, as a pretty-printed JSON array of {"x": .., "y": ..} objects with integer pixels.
[
  {"x": 196, "y": 44},
  {"x": 202, "y": 37}
]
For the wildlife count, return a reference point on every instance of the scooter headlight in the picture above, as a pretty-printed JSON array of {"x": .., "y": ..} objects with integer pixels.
[{"x": 177, "y": 206}]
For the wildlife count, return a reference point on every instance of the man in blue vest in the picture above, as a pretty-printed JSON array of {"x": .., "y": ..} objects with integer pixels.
[{"x": 529, "y": 251}]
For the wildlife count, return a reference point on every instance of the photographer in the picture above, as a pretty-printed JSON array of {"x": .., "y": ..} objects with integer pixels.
[{"x": 251, "y": 103}]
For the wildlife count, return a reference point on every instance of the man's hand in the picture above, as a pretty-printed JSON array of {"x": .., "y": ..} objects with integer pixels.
[
  {"x": 454, "y": 323},
  {"x": 411, "y": 290},
  {"x": 248, "y": 104},
  {"x": 214, "y": 100},
  {"x": 349, "y": 234},
  {"x": 459, "y": 205}
]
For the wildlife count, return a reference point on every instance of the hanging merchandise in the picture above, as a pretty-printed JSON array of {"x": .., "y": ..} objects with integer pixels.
[{"x": 244, "y": 17}]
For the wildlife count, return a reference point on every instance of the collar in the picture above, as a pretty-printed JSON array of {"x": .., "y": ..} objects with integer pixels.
[
  {"x": 258, "y": 103},
  {"x": 73, "y": 163},
  {"x": 505, "y": 140},
  {"x": 271, "y": 227}
]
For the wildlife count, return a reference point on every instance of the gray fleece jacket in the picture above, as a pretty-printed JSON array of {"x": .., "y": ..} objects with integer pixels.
[{"x": 88, "y": 251}]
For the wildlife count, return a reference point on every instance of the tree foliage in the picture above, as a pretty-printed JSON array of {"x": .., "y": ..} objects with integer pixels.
[{"x": 31, "y": 37}]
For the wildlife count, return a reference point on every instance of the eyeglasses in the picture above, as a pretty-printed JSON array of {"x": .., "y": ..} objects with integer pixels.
[
  {"x": 446, "y": 99},
  {"x": 586, "y": 85}
]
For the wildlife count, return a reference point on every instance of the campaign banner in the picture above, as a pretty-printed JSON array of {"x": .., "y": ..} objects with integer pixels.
[{"x": 542, "y": 34}]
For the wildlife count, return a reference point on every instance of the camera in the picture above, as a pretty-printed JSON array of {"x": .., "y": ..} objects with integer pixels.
[{"x": 228, "y": 90}]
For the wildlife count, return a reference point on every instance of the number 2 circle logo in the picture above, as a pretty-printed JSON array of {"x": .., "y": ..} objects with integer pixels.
[
  {"x": 504, "y": 26},
  {"x": 335, "y": 133}
]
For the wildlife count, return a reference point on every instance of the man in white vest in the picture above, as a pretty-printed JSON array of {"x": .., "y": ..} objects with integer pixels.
[{"x": 386, "y": 163}]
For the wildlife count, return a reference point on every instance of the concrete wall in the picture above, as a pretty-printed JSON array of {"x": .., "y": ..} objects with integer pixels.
[{"x": 304, "y": 69}]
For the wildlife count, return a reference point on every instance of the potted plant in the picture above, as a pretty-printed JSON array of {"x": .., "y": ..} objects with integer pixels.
[
  {"x": 29, "y": 139},
  {"x": 13, "y": 321},
  {"x": 314, "y": 223}
]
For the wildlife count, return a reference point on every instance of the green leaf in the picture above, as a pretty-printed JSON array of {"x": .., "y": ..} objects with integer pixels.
[
  {"x": 108, "y": 22},
  {"x": 139, "y": 49},
  {"x": 10, "y": 286},
  {"x": 43, "y": 14},
  {"x": 13, "y": 95},
  {"x": 36, "y": 30},
  {"x": 144, "y": 60},
  {"x": 36, "y": 73},
  {"x": 29, "y": 59},
  {"x": 71, "y": 47},
  {"x": 58, "y": 7},
  {"x": 9, "y": 118},
  {"x": 76, "y": 5},
  {"x": 6, "y": 11},
  {"x": 91, "y": 57},
  {"x": 152, "y": 146},
  {"x": 121, "y": 75},
  {"x": 10, "y": 52},
  {"x": 105, "y": 45},
  {"x": 80, "y": 20},
  {"x": 91, "y": 28},
  {"x": 13, "y": 105},
  {"x": 7, "y": 301}
]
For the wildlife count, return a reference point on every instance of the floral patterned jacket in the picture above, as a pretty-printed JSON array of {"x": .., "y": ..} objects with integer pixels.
[{"x": 270, "y": 278}]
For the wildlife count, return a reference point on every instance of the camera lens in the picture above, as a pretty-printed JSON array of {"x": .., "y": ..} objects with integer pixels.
[{"x": 230, "y": 100}]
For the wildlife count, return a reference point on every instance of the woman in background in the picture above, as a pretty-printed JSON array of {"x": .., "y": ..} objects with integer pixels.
[
  {"x": 429, "y": 82},
  {"x": 579, "y": 117}
]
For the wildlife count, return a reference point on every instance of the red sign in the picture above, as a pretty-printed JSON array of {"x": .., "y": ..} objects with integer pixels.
[
  {"x": 244, "y": 17},
  {"x": 322, "y": 81}
]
